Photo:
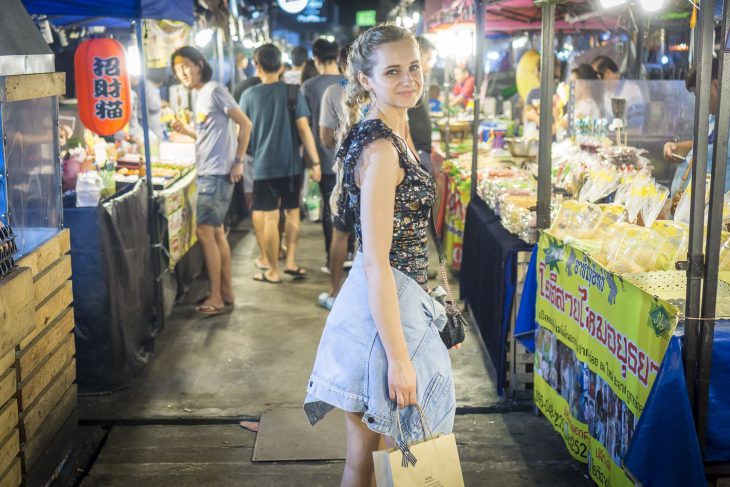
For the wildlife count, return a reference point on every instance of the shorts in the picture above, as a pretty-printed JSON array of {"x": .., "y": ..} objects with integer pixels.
[
  {"x": 272, "y": 194},
  {"x": 343, "y": 222},
  {"x": 214, "y": 198}
]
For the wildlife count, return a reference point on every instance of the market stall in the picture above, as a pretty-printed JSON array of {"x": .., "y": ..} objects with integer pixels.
[
  {"x": 134, "y": 234},
  {"x": 619, "y": 330},
  {"x": 37, "y": 364}
]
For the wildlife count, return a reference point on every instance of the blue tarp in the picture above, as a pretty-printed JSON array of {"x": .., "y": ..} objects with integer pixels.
[{"x": 126, "y": 9}]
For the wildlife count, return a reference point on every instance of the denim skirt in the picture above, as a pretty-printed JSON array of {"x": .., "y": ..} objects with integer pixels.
[{"x": 351, "y": 369}]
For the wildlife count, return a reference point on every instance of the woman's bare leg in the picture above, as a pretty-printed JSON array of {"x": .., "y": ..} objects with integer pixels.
[{"x": 361, "y": 443}]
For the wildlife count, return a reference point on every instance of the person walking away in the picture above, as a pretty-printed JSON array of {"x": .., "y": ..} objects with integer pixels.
[
  {"x": 331, "y": 116},
  {"x": 379, "y": 351},
  {"x": 419, "y": 117},
  {"x": 277, "y": 163},
  {"x": 299, "y": 56},
  {"x": 325, "y": 59},
  {"x": 219, "y": 159}
]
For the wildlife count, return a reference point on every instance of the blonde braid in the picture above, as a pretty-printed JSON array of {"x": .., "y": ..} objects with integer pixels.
[{"x": 355, "y": 96}]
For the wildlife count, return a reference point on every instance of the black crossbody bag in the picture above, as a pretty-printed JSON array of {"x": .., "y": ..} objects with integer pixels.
[{"x": 455, "y": 329}]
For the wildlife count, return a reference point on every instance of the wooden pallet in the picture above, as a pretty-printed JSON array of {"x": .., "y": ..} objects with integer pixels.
[
  {"x": 520, "y": 362},
  {"x": 45, "y": 355},
  {"x": 16, "y": 321}
]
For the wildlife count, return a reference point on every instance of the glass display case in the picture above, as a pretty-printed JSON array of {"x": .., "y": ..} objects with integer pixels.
[
  {"x": 655, "y": 112},
  {"x": 30, "y": 178}
]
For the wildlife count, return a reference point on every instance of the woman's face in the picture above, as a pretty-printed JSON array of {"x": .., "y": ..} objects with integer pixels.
[
  {"x": 397, "y": 79},
  {"x": 187, "y": 72}
]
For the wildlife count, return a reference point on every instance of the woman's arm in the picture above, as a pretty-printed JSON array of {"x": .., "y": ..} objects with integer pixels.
[
  {"x": 244, "y": 136},
  {"x": 379, "y": 174}
]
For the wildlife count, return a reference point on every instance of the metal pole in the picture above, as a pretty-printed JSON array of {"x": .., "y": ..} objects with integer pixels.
[
  {"x": 547, "y": 88},
  {"x": 695, "y": 256},
  {"x": 478, "y": 77},
  {"x": 639, "y": 50},
  {"x": 151, "y": 213},
  {"x": 714, "y": 232}
]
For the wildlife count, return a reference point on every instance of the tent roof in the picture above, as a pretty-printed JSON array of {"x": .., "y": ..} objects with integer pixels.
[{"x": 97, "y": 11}]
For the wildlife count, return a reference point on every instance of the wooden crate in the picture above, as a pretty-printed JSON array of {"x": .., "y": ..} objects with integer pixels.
[
  {"x": 16, "y": 308},
  {"x": 45, "y": 363},
  {"x": 520, "y": 362},
  {"x": 12, "y": 476}
]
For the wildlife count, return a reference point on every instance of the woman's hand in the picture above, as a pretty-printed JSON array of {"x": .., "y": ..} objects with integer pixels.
[{"x": 402, "y": 382}]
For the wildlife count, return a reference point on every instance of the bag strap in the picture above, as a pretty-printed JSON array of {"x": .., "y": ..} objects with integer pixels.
[
  {"x": 451, "y": 304},
  {"x": 292, "y": 93}
]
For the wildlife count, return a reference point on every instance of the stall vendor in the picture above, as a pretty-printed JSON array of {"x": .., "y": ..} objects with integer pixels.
[
  {"x": 618, "y": 87},
  {"x": 463, "y": 90},
  {"x": 219, "y": 155},
  {"x": 674, "y": 151}
]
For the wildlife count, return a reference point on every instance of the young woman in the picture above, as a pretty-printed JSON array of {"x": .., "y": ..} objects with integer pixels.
[
  {"x": 380, "y": 350},
  {"x": 219, "y": 158}
]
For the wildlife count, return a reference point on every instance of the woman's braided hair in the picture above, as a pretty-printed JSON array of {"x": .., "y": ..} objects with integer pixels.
[{"x": 361, "y": 59}]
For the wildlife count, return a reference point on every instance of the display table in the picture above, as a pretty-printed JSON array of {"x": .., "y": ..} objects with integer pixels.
[
  {"x": 665, "y": 450},
  {"x": 609, "y": 374},
  {"x": 489, "y": 277},
  {"x": 112, "y": 288}
]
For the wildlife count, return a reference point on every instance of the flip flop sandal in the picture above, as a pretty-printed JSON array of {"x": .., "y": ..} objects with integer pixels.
[
  {"x": 260, "y": 266},
  {"x": 205, "y": 298},
  {"x": 209, "y": 310},
  {"x": 297, "y": 273},
  {"x": 262, "y": 278}
]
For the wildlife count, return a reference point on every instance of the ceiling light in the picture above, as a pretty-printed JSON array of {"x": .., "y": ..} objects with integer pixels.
[
  {"x": 203, "y": 37},
  {"x": 651, "y": 5},
  {"x": 612, "y": 3}
]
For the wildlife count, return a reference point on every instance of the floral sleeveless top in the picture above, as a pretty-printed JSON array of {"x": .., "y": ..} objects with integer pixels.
[{"x": 414, "y": 197}]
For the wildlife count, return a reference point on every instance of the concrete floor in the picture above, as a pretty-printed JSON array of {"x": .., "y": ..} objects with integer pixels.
[{"x": 177, "y": 422}]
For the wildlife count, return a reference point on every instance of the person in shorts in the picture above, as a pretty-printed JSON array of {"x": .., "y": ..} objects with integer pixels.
[
  {"x": 278, "y": 169},
  {"x": 325, "y": 59},
  {"x": 330, "y": 117},
  {"x": 219, "y": 159}
]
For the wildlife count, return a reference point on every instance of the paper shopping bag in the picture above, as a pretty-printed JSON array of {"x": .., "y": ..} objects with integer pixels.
[{"x": 436, "y": 465}]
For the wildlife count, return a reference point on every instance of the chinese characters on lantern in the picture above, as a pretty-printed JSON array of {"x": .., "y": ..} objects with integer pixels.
[{"x": 107, "y": 88}]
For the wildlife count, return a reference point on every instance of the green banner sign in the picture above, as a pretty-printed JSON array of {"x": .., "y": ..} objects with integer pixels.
[{"x": 599, "y": 346}]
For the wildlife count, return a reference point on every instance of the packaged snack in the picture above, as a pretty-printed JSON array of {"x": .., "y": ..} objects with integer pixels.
[{"x": 577, "y": 219}]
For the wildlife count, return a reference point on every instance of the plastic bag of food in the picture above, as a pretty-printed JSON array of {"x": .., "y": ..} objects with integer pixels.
[
  {"x": 632, "y": 249},
  {"x": 602, "y": 180},
  {"x": 674, "y": 245},
  {"x": 577, "y": 219},
  {"x": 88, "y": 189},
  {"x": 653, "y": 203},
  {"x": 612, "y": 214}
]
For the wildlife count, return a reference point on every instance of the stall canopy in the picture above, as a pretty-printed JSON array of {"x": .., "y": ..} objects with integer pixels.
[
  {"x": 520, "y": 15},
  {"x": 181, "y": 10}
]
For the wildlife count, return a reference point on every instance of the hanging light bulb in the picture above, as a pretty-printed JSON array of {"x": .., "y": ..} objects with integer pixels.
[
  {"x": 134, "y": 62},
  {"x": 407, "y": 22},
  {"x": 611, "y": 3},
  {"x": 651, "y": 5},
  {"x": 203, "y": 37}
]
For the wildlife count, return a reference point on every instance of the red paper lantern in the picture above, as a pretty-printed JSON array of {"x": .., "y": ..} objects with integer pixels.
[{"x": 102, "y": 85}]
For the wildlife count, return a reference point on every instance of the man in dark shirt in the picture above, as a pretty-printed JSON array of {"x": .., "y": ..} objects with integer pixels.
[{"x": 419, "y": 118}]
